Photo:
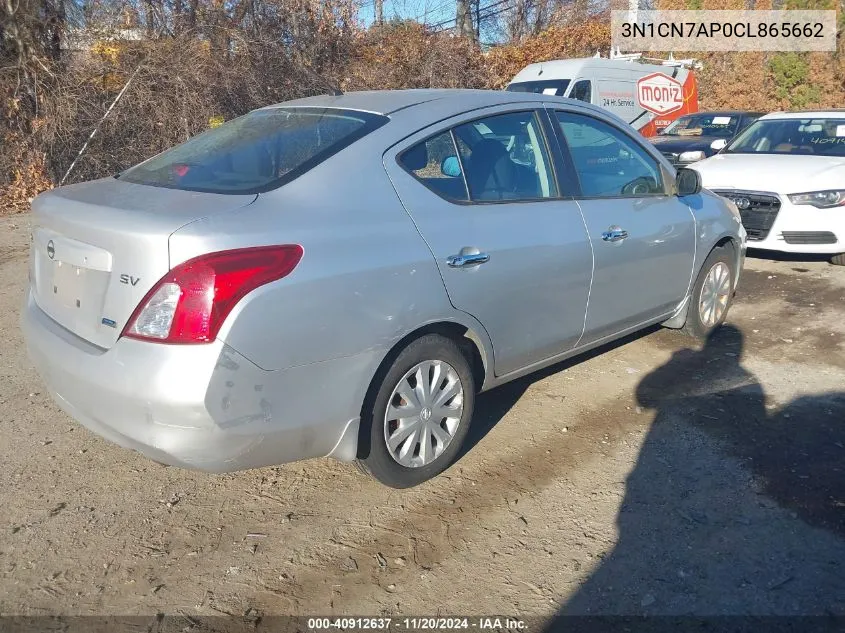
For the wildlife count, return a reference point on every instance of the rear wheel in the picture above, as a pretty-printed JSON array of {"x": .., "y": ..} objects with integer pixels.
[
  {"x": 712, "y": 294},
  {"x": 421, "y": 413},
  {"x": 838, "y": 260}
]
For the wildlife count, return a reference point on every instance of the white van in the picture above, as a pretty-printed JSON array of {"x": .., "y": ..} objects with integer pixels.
[{"x": 646, "y": 95}]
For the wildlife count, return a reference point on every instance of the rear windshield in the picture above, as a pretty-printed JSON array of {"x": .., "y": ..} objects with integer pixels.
[
  {"x": 256, "y": 152},
  {"x": 547, "y": 87}
]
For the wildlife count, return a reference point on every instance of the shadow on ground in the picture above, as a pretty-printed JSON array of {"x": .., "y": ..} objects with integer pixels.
[{"x": 758, "y": 533}]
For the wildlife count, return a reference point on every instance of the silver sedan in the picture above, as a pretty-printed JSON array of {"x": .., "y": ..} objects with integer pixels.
[{"x": 341, "y": 275}]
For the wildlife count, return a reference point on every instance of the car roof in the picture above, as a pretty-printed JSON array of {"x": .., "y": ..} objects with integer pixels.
[
  {"x": 417, "y": 108},
  {"x": 808, "y": 114},
  {"x": 387, "y": 102}
]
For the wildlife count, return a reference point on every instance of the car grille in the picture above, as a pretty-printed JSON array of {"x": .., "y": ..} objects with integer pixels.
[
  {"x": 809, "y": 237},
  {"x": 758, "y": 211}
]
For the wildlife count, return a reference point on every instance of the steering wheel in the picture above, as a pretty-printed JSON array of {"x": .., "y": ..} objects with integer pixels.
[{"x": 639, "y": 186}]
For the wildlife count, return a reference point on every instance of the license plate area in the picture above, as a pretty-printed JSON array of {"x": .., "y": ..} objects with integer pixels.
[
  {"x": 70, "y": 281},
  {"x": 68, "y": 285}
]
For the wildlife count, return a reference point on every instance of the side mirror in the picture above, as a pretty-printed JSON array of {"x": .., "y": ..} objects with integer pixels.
[
  {"x": 718, "y": 144},
  {"x": 451, "y": 167},
  {"x": 687, "y": 182}
]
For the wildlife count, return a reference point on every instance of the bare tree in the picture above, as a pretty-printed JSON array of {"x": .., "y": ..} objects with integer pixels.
[{"x": 463, "y": 20}]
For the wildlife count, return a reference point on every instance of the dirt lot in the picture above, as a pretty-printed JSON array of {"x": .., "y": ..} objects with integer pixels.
[{"x": 653, "y": 478}]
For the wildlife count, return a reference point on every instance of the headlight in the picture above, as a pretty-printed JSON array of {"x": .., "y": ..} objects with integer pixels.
[
  {"x": 690, "y": 157},
  {"x": 820, "y": 199}
]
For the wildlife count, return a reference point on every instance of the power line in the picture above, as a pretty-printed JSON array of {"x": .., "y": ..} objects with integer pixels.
[
  {"x": 485, "y": 16},
  {"x": 435, "y": 9},
  {"x": 490, "y": 15}
]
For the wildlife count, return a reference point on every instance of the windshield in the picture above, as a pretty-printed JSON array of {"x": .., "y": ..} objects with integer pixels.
[
  {"x": 803, "y": 137},
  {"x": 555, "y": 87},
  {"x": 256, "y": 152},
  {"x": 721, "y": 125}
]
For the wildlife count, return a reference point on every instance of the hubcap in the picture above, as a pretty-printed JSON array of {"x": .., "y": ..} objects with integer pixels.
[
  {"x": 715, "y": 294},
  {"x": 423, "y": 413}
]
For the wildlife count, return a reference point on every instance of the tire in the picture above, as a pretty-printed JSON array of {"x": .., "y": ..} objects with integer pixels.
[
  {"x": 701, "y": 322},
  {"x": 838, "y": 260},
  {"x": 441, "y": 360}
]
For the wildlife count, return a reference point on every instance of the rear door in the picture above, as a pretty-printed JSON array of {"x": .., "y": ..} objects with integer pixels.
[
  {"x": 511, "y": 248},
  {"x": 643, "y": 237}
]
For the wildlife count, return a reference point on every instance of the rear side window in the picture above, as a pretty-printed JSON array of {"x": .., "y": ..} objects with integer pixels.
[
  {"x": 435, "y": 164},
  {"x": 505, "y": 158},
  {"x": 256, "y": 152},
  {"x": 497, "y": 158}
]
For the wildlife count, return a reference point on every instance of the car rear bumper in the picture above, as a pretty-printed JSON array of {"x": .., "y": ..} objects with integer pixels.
[{"x": 203, "y": 407}]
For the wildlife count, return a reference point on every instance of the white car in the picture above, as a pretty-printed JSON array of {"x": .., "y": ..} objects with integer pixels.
[{"x": 786, "y": 175}]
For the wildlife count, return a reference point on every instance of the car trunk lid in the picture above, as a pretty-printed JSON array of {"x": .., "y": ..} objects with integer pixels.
[{"x": 100, "y": 246}]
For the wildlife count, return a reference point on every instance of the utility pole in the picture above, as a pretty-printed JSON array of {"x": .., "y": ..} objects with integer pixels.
[
  {"x": 477, "y": 20},
  {"x": 633, "y": 8},
  {"x": 379, "y": 5}
]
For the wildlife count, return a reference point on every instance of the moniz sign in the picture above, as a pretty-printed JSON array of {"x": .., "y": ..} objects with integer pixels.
[{"x": 660, "y": 93}]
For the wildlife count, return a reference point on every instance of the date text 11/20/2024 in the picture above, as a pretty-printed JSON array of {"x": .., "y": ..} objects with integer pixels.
[{"x": 486, "y": 624}]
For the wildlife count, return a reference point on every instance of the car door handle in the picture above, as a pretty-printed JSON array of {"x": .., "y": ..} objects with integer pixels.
[
  {"x": 614, "y": 234},
  {"x": 467, "y": 259}
]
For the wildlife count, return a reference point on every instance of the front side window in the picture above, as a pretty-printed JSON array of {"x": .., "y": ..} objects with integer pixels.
[
  {"x": 608, "y": 162},
  {"x": 801, "y": 137},
  {"x": 256, "y": 152},
  {"x": 435, "y": 164},
  {"x": 582, "y": 90},
  {"x": 505, "y": 158}
]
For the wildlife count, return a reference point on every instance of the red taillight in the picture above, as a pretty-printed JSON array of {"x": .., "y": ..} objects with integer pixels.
[{"x": 190, "y": 303}]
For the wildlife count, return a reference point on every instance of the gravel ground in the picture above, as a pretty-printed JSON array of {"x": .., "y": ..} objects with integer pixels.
[{"x": 651, "y": 477}]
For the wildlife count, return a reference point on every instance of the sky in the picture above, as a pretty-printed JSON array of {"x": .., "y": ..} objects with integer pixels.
[{"x": 427, "y": 11}]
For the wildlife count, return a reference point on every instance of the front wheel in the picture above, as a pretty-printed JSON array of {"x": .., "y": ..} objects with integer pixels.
[
  {"x": 712, "y": 294},
  {"x": 421, "y": 413}
]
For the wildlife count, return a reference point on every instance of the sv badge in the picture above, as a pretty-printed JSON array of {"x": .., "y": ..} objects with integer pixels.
[{"x": 129, "y": 280}]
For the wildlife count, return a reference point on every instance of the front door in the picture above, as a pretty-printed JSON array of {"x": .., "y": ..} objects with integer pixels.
[
  {"x": 511, "y": 252},
  {"x": 643, "y": 237}
]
